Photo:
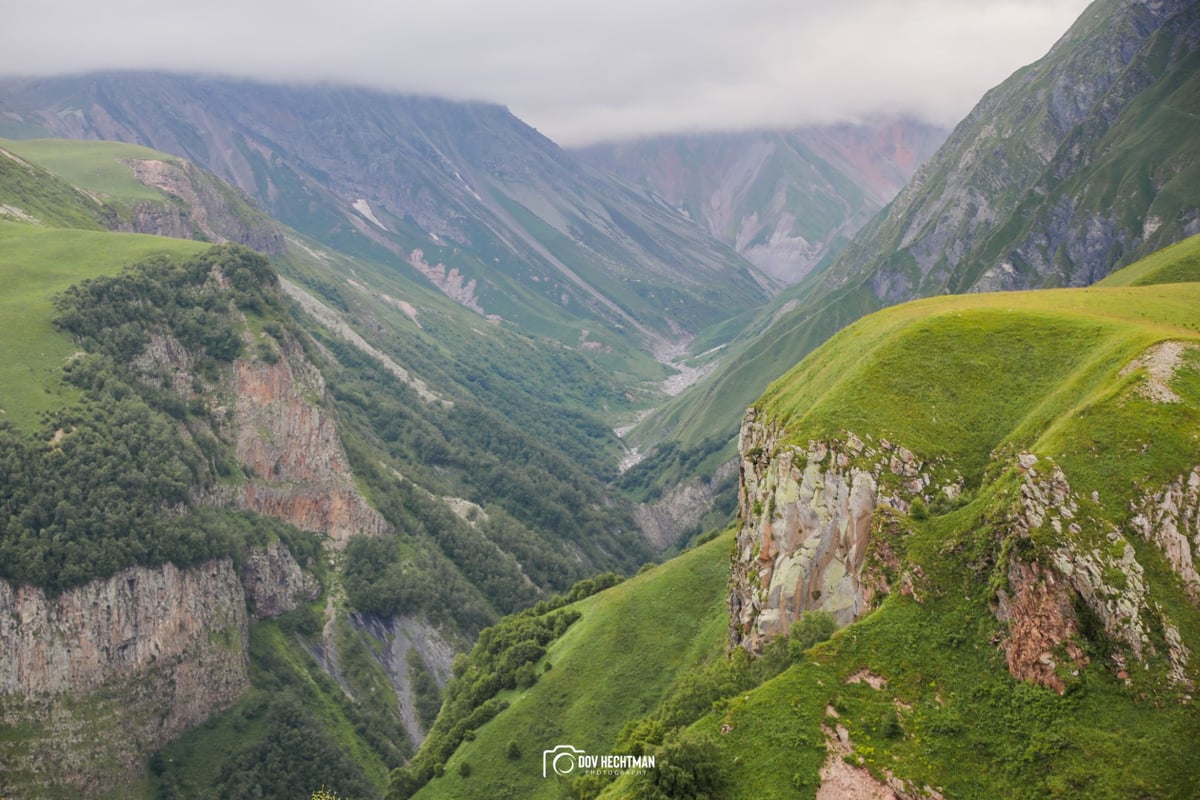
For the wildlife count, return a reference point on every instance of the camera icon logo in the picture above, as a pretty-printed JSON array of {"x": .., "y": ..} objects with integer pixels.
[{"x": 560, "y": 760}]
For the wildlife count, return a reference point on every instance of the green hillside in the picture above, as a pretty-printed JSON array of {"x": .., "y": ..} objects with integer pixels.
[
  {"x": 621, "y": 658},
  {"x": 967, "y": 382},
  {"x": 35, "y": 264},
  {"x": 511, "y": 427},
  {"x": 33, "y": 195},
  {"x": 1179, "y": 263},
  {"x": 98, "y": 167}
]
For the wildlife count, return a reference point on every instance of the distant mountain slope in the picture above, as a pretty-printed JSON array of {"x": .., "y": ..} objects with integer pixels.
[
  {"x": 458, "y": 469},
  {"x": 462, "y": 194},
  {"x": 1073, "y": 167},
  {"x": 1077, "y": 164},
  {"x": 788, "y": 200}
]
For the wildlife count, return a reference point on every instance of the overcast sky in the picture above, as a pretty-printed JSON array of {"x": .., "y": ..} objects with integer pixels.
[{"x": 578, "y": 70}]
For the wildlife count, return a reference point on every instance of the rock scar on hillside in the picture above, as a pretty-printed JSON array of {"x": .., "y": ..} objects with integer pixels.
[
  {"x": 840, "y": 780},
  {"x": 1161, "y": 362}
]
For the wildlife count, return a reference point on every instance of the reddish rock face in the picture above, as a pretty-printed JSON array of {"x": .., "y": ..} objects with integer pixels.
[
  {"x": 292, "y": 446},
  {"x": 1043, "y": 629}
]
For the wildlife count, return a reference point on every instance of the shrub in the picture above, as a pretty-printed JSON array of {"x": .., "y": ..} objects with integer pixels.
[{"x": 811, "y": 629}]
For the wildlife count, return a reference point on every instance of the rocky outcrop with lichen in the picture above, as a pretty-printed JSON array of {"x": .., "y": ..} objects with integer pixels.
[
  {"x": 1061, "y": 561},
  {"x": 818, "y": 522},
  {"x": 808, "y": 515},
  {"x": 1170, "y": 517}
]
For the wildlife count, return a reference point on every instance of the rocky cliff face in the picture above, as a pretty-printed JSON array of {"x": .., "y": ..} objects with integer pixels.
[
  {"x": 154, "y": 652},
  {"x": 288, "y": 439},
  {"x": 148, "y": 653},
  {"x": 199, "y": 206},
  {"x": 808, "y": 518},
  {"x": 816, "y": 523}
]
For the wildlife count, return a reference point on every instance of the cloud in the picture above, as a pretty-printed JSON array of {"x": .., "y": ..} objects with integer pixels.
[{"x": 578, "y": 71}]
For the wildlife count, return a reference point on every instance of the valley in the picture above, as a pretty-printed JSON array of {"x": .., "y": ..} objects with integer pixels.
[{"x": 375, "y": 445}]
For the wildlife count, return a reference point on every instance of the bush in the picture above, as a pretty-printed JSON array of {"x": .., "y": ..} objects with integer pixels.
[
  {"x": 917, "y": 509},
  {"x": 811, "y": 629},
  {"x": 685, "y": 767}
]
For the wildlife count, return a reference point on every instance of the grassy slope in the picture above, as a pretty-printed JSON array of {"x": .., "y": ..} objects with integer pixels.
[
  {"x": 95, "y": 166},
  {"x": 35, "y": 263},
  {"x": 1038, "y": 371},
  {"x": 962, "y": 376},
  {"x": 613, "y": 665},
  {"x": 986, "y": 367},
  {"x": 1179, "y": 263}
]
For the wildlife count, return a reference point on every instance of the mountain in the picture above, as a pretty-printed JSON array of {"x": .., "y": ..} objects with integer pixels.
[
  {"x": 787, "y": 201},
  {"x": 964, "y": 563},
  {"x": 461, "y": 195},
  {"x": 1074, "y": 166},
  {"x": 1078, "y": 164},
  {"x": 225, "y": 508}
]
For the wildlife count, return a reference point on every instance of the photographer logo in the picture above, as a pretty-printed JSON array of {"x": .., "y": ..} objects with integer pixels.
[{"x": 568, "y": 760}]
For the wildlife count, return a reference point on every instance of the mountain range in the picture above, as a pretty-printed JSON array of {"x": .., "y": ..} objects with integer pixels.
[
  {"x": 787, "y": 201},
  {"x": 324, "y": 490}
]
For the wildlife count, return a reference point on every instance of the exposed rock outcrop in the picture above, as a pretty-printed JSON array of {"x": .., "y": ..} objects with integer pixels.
[
  {"x": 807, "y": 515},
  {"x": 664, "y": 521},
  {"x": 1170, "y": 518},
  {"x": 204, "y": 209},
  {"x": 148, "y": 652},
  {"x": 818, "y": 523},
  {"x": 114, "y": 627},
  {"x": 275, "y": 583},
  {"x": 394, "y": 639},
  {"x": 1088, "y": 559},
  {"x": 291, "y": 443}
]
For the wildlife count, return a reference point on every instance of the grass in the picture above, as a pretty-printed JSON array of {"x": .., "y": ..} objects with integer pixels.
[
  {"x": 1179, "y": 263},
  {"x": 965, "y": 726},
  {"x": 613, "y": 665},
  {"x": 959, "y": 376},
  {"x": 35, "y": 264},
  {"x": 94, "y": 166},
  {"x": 973, "y": 379},
  {"x": 967, "y": 377}
]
